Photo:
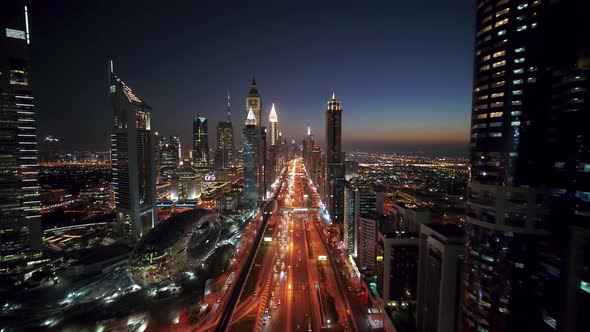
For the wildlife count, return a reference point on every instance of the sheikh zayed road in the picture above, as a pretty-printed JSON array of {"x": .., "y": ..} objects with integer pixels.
[{"x": 298, "y": 281}]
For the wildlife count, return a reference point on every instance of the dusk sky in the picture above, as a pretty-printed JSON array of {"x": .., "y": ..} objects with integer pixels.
[{"x": 401, "y": 69}]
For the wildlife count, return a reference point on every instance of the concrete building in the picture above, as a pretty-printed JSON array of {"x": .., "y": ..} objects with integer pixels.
[
  {"x": 368, "y": 230},
  {"x": 411, "y": 216},
  {"x": 439, "y": 273}
]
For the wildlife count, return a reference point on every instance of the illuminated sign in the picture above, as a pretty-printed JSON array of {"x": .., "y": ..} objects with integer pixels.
[
  {"x": 210, "y": 178},
  {"x": 379, "y": 258},
  {"x": 18, "y": 34},
  {"x": 267, "y": 239},
  {"x": 322, "y": 258}
]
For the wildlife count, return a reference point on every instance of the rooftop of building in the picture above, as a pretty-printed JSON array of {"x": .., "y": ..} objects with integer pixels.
[
  {"x": 400, "y": 235},
  {"x": 447, "y": 230}
]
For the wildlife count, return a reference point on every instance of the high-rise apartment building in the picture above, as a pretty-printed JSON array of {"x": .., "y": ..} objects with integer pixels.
[
  {"x": 351, "y": 219},
  {"x": 254, "y": 102},
  {"x": 334, "y": 161},
  {"x": 133, "y": 161},
  {"x": 250, "y": 145},
  {"x": 200, "y": 142},
  {"x": 50, "y": 152},
  {"x": 20, "y": 218},
  {"x": 224, "y": 152},
  {"x": 528, "y": 192},
  {"x": 439, "y": 272},
  {"x": 169, "y": 158}
]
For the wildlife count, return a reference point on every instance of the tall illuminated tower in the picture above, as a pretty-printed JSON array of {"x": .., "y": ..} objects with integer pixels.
[
  {"x": 526, "y": 256},
  {"x": 334, "y": 161},
  {"x": 20, "y": 219},
  {"x": 254, "y": 102},
  {"x": 225, "y": 141},
  {"x": 200, "y": 142},
  {"x": 272, "y": 163},
  {"x": 250, "y": 141},
  {"x": 133, "y": 161}
]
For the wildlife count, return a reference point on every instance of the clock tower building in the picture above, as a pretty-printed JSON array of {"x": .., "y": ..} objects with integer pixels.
[{"x": 254, "y": 102}]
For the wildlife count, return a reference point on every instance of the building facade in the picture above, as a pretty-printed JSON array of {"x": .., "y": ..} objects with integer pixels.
[
  {"x": 351, "y": 219},
  {"x": 224, "y": 152},
  {"x": 200, "y": 142},
  {"x": 250, "y": 142},
  {"x": 439, "y": 272},
  {"x": 254, "y": 102},
  {"x": 133, "y": 161},
  {"x": 334, "y": 161},
  {"x": 20, "y": 218}
]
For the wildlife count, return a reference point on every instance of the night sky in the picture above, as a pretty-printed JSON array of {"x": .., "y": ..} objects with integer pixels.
[{"x": 401, "y": 69}]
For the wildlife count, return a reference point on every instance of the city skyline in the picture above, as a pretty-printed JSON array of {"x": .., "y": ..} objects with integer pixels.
[{"x": 390, "y": 92}]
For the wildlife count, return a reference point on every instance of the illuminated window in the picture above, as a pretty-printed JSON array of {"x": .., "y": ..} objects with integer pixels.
[
  {"x": 496, "y": 114},
  {"x": 501, "y": 32},
  {"x": 521, "y": 17},
  {"x": 19, "y": 77},
  {"x": 500, "y": 53},
  {"x": 485, "y": 58},
  {"x": 501, "y": 2},
  {"x": 515, "y": 113},
  {"x": 532, "y": 69},
  {"x": 521, "y": 27},
  {"x": 519, "y": 60},
  {"x": 519, "y": 81},
  {"x": 531, "y": 80},
  {"x": 485, "y": 29},
  {"x": 499, "y": 74},
  {"x": 497, "y": 94},
  {"x": 484, "y": 68},
  {"x": 519, "y": 50},
  {"x": 517, "y": 102},
  {"x": 502, "y": 12},
  {"x": 480, "y": 107},
  {"x": 518, "y": 71},
  {"x": 481, "y": 88},
  {"x": 499, "y": 64},
  {"x": 522, "y": 6},
  {"x": 485, "y": 19},
  {"x": 534, "y": 25},
  {"x": 515, "y": 123},
  {"x": 496, "y": 134},
  {"x": 484, "y": 97},
  {"x": 497, "y": 104},
  {"x": 517, "y": 92},
  {"x": 498, "y": 84},
  {"x": 502, "y": 22},
  {"x": 495, "y": 124},
  {"x": 482, "y": 116},
  {"x": 481, "y": 125}
]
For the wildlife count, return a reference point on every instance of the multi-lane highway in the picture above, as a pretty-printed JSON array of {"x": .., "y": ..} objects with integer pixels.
[{"x": 295, "y": 283}]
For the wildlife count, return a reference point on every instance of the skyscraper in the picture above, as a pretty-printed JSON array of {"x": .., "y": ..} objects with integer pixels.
[
  {"x": 225, "y": 141},
  {"x": 254, "y": 102},
  {"x": 169, "y": 156},
  {"x": 334, "y": 161},
  {"x": 250, "y": 142},
  {"x": 528, "y": 151},
  {"x": 50, "y": 152},
  {"x": 200, "y": 142},
  {"x": 20, "y": 220},
  {"x": 272, "y": 162},
  {"x": 133, "y": 161}
]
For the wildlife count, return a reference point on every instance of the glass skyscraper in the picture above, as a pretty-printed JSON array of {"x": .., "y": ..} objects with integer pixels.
[
  {"x": 133, "y": 161},
  {"x": 334, "y": 161},
  {"x": 250, "y": 142},
  {"x": 200, "y": 141},
  {"x": 528, "y": 155},
  {"x": 20, "y": 219}
]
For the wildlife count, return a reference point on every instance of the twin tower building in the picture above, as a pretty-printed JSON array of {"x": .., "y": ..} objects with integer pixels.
[{"x": 134, "y": 163}]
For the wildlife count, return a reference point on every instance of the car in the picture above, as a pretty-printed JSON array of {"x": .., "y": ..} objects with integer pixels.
[
  {"x": 218, "y": 300},
  {"x": 348, "y": 312}
]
